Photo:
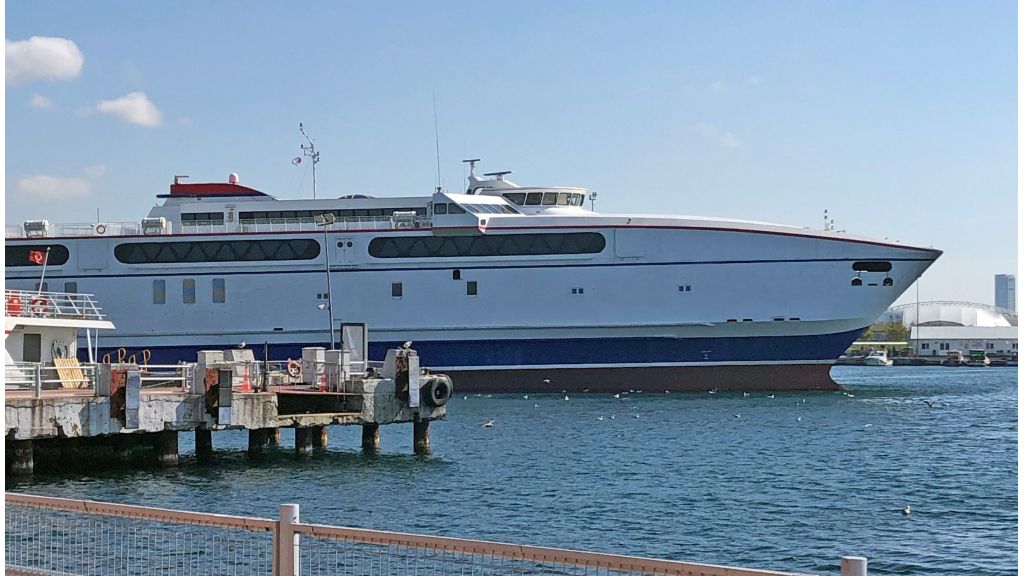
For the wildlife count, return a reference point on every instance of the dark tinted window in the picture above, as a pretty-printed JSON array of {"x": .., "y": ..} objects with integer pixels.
[
  {"x": 500, "y": 245},
  {"x": 18, "y": 255},
  {"x": 216, "y": 251},
  {"x": 872, "y": 266},
  {"x": 516, "y": 197}
]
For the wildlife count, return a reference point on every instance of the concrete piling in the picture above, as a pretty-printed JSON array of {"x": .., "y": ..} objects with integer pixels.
[
  {"x": 258, "y": 440},
  {"x": 22, "y": 461},
  {"x": 204, "y": 444},
  {"x": 371, "y": 436},
  {"x": 421, "y": 436},
  {"x": 166, "y": 444},
  {"x": 303, "y": 440},
  {"x": 320, "y": 436}
]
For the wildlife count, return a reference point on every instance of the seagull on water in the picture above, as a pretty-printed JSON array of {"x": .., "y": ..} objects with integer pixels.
[
  {"x": 771, "y": 395},
  {"x": 906, "y": 510},
  {"x": 746, "y": 394},
  {"x": 636, "y": 415},
  {"x": 599, "y": 418},
  {"x": 489, "y": 424},
  {"x": 930, "y": 403},
  {"x": 612, "y": 417},
  {"x": 617, "y": 396},
  {"x": 566, "y": 396},
  {"x": 546, "y": 380},
  {"x": 526, "y": 396}
]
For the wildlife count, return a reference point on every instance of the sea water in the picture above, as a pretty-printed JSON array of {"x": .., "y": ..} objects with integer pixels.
[{"x": 788, "y": 481}]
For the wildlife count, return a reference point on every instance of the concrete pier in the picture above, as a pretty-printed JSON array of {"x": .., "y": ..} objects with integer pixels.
[
  {"x": 371, "y": 436},
  {"x": 421, "y": 436},
  {"x": 146, "y": 429},
  {"x": 304, "y": 440}
]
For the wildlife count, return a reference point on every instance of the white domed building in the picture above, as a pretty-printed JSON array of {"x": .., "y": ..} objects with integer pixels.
[{"x": 940, "y": 326}]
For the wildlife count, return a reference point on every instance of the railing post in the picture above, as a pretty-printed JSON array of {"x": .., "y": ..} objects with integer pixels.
[
  {"x": 286, "y": 552},
  {"x": 37, "y": 376},
  {"x": 853, "y": 566}
]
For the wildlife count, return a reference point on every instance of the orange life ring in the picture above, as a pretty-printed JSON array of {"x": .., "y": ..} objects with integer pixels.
[
  {"x": 38, "y": 305},
  {"x": 14, "y": 304},
  {"x": 294, "y": 369}
]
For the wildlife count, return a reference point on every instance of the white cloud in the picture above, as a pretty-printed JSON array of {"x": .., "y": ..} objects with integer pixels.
[
  {"x": 42, "y": 58},
  {"x": 95, "y": 171},
  {"x": 717, "y": 86},
  {"x": 41, "y": 102},
  {"x": 720, "y": 136},
  {"x": 135, "y": 108},
  {"x": 45, "y": 187}
]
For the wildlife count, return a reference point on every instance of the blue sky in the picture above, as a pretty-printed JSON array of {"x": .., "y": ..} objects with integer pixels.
[{"x": 899, "y": 117}]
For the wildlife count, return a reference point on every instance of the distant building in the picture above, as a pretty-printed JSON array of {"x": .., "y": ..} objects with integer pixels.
[
  {"x": 1006, "y": 292},
  {"x": 963, "y": 326}
]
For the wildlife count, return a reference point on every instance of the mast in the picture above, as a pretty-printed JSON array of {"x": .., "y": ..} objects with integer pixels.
[{"x": 309, "y": 151}]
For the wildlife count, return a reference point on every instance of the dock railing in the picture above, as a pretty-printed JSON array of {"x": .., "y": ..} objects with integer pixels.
[
  {"x": 46, "y": 535},
  {"x": 24, "y": 376},
  {"x": 63, "y": 305}
]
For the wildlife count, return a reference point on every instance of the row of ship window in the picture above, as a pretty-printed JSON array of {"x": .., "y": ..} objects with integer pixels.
[
  {"x": 452, "y": 208},
  {"x": 217, "y": 218},
  {"x": 308, "y": 249},
  {"x": 545, "y": 198},
  {"x": 218, "y": 293}
]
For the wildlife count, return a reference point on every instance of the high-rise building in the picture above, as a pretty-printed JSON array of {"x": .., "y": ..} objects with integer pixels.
[{"x": 1006, "y": 291}]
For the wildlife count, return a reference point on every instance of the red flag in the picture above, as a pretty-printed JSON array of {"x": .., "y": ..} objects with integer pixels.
[{"x": 36, "y": 256}]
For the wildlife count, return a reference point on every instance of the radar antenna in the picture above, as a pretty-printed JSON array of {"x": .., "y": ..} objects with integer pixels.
[{"x": 309, "y": 151}]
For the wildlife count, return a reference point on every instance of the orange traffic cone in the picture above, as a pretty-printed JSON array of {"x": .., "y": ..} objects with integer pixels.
[{"x": 246, "y": 387}]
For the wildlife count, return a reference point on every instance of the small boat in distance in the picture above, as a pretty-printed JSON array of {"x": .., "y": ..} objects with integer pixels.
[
  {"x": 878, "y": 358},
  {"x": 954, "y": 358},
  {"x": 978, "y": 359}
]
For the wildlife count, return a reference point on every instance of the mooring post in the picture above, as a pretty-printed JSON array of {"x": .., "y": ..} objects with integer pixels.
[
  {"x": 204, "y": 444},
  {"x": 166, "y": 444},
  {"x": 303, "y": 440},
  {"x": 421, "y": 436},
  {"x": 286, "y": 541},
  {"x": 853, "y": 566},
  {"x": 258, "y": 440},
  {"x": 371, "y": 436},
  {"x": 320, "y": 436},
  {"x": 22, "y": 457}
]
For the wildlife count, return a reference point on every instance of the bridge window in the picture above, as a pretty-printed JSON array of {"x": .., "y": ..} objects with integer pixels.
[
  {"x": 216, "y": 251},
  {"x": 550, "y": 198},
  {"x": 201, "y": 218},
  {"x": 534, "y": 198},
  {"x": 486, "y": 245},
  {"x": 440, "y": 208},
  {"x": 517, "y": 198},
  {"x": 19, "y": 255}
]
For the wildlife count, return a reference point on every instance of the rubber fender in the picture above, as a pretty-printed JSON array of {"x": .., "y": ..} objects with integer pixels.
[{"x": 437, "y": 391}]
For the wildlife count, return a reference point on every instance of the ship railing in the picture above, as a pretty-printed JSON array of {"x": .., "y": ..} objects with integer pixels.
[
  {"x": 58, "y": 305},
  {"x": 47, "y": 535},
  {"x": 40, "y": 379},
  {"x": 75, "y": 229}
]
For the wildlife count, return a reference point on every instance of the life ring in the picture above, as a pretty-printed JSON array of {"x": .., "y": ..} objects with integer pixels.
[
  {"x": 38, "y": 305},
  {"x": 14, "y": 304},
  {"x": 294, "y": 369},
  {"x": 101, "y": 229}
]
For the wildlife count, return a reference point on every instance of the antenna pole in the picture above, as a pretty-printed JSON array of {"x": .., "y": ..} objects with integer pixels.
[
  {"x": 437, "y": 143},
  {"x": 310, "y": 151}
]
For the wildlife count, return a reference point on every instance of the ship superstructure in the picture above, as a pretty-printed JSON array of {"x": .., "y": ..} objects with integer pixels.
[{"x": 502, "y": 286}]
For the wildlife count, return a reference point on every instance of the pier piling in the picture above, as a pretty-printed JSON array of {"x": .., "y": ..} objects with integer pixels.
[
  {"x": 258, "y": 440},
  {"x": 22, "y": 457},
  {"x": 421, "y": 436},
  {"x": 166, "y": 444},
  {"x": 371, "y": 436},
  {"x": 303, "y": 440},
  {"x": 320, "y": 436},
  {"x": 204, "y": 444},
  {"x": 853, "y": 566}
]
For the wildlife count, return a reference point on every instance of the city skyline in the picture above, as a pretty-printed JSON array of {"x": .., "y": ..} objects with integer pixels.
[{"x": 762, "y": 112}]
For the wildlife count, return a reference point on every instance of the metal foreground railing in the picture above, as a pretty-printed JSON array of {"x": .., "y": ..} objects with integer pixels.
[{"x": 47, "y": 535}]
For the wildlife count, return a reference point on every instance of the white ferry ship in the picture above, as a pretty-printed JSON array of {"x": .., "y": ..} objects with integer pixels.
[{"x": 504, "y": 287}]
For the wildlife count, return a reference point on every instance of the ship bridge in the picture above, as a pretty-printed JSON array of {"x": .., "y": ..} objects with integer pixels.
[{"x": 527, "y": 199}]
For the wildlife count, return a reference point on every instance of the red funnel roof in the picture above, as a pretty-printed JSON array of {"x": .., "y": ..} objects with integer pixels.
[{"x": 210, "y": 190}]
